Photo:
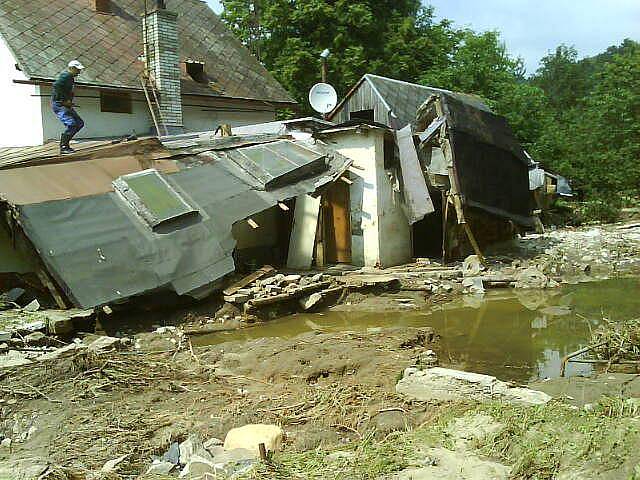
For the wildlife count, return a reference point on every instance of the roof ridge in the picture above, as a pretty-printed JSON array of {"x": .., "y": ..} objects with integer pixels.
[{"x": 402, "y": 82}]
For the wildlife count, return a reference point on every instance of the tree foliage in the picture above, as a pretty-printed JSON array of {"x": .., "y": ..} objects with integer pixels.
[{"x": 578, "y": 117}]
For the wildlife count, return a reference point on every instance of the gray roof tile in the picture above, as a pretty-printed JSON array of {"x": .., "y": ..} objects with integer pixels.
[{"x": 45, "y": 34}]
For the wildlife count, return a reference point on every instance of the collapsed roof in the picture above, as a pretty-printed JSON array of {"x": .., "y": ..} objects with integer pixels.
[
  {"x": 43, "y": 35},
  {"x": 160, "y": 218},
  {"x": 479, "y": 152}
]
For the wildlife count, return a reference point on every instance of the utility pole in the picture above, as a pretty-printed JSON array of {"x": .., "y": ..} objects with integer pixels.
[{"x": 325, "y": 66}]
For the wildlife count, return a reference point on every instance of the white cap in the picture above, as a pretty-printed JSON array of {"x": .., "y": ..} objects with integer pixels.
[{"x": 76, "y": 64}]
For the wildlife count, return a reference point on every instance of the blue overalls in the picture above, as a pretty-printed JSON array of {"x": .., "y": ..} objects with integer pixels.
[{"x": 69, "y": 117}]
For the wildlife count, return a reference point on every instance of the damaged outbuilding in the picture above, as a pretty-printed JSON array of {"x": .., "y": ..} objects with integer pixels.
[
  {"x": 441, "y": 176},
  {"x": 119, "y": 221}
]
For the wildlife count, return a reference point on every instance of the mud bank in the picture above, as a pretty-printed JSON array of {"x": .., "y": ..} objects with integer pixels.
[
  {"x": 334, "y": 394},
  {"x": 333, "y": 390}
]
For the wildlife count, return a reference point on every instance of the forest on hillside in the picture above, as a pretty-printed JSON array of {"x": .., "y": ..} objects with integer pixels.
[{"x": 578, "y": 117}]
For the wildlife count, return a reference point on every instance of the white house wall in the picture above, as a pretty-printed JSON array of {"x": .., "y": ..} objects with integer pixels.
[
  {"x": 21, "y": 122},
  {"x": 199, "y": 114},
  {"x": 362, "y": 149},
  {"x": 97, "y": 124},
  {"x": 380, "y": 231}
]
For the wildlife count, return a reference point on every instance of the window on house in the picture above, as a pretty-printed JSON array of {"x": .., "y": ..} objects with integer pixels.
[
  {"x": 116, "y": 102},
  {"x": 153, "y": 198},
  {"x": 196, "y": 72},
  {"x": 362, "y": 115}
]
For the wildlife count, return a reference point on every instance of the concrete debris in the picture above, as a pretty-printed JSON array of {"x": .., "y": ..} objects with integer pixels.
[
  {"x": 472, "y": 266},
  {"x": 443, "y": 384},
  {"x": 112, "y": 465},
  {"x": 532, "y": 277},
  {"x": 310, "y": 301},
  {"x": 172, "y": 455},
  {"x": 191, "y": 447},
  {"x": 6, "y": 443},
  {"x": 5, "y": 336},
  {"x": 36, "y": 339},
  {"x": 60, "y": 352},
  {"x": 13, "y": 359},
  {"x": 159, "y": 467},
  {"x": 473, "y": 284},
  {"x": 445, "y": 464},
  {"x": 213, "y": 442},
  {"x": 250, "y": 436},
  {"x": 199, "y": 467},
  {"x": 104, "y": 344},
  {"x": 34, "y": 306}
]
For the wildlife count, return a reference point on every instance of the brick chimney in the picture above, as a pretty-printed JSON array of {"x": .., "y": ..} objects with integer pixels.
[{"x": 161, "y": 44}]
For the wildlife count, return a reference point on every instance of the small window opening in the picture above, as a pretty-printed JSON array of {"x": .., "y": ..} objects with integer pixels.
[
  {"x": 362, "y": 115},
  {"x": 116, "y": 102},
  {"x": 196, "y": 71},
  {"x": 153, "y": 198},
  {"x": 100, "y": 6}
]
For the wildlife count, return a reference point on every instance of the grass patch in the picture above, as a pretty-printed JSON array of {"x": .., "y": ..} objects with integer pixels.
[{"x": 538, "y": 442}]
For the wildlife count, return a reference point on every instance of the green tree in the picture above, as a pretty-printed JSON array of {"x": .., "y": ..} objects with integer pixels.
[{"x": 397, "y": 38}]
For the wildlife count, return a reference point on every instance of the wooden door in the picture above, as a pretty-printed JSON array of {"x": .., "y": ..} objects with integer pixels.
[{"x": 337, "y": 223}]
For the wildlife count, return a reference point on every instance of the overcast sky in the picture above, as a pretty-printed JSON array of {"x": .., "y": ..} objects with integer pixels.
[{"x": 531, "y": 28}]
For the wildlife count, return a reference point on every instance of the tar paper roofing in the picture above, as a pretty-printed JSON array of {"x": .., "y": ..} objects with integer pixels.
[
  {"x": 99, "y": 246},
  {"x": 44, "y": 35}
]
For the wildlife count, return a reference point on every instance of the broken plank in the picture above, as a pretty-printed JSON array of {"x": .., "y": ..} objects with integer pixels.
[{"x": 249, "y": 279}]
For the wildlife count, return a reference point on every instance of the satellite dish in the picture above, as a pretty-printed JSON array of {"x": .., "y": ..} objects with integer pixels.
[{"x": 323, "y": 98}]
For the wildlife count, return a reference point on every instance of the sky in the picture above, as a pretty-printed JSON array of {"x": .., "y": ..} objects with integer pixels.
[{"x": 532, "y": 28}]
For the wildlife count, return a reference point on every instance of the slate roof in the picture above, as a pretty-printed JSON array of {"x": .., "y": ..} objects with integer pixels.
[
  {"x": 404, "y": 98},
  {"x": 44, "y": 35}
]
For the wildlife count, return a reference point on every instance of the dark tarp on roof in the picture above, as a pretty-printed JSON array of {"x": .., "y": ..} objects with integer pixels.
[
  {"x": 44, "y": 35},
  {"x": 491, "y": 166},
  {"x": 100, "y": 252}
]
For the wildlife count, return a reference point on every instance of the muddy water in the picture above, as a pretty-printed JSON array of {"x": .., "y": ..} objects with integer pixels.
[{"x": 515, "y": 335}]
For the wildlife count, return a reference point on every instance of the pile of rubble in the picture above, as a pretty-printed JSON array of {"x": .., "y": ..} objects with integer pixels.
[
  {"x": 37, "y": 347},
  {"x": 242, "y": 448},
  {"x": 265, "y": 287}
]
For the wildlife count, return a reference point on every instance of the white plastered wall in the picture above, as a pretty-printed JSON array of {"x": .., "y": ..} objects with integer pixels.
[
  {"x": 21, "y": 122},
  {"x": 201, "y": 114},
  {"x": 97, "y": 124},
  {"x": 380, "y": 232}
]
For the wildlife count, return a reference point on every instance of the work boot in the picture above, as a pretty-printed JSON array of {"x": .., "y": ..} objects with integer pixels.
[{"x": 65, "y": 149}]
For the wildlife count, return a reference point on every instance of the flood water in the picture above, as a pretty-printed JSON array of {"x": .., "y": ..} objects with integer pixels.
[{"x": 514, "y": 335}]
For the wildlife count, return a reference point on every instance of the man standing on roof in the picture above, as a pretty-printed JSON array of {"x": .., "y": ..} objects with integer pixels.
[{"x": 62, "y": 105}]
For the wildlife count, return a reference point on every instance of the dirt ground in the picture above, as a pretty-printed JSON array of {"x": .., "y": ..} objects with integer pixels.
[
  {"x": 325, "y": 390},
  {"x": 333, "y": 393}
]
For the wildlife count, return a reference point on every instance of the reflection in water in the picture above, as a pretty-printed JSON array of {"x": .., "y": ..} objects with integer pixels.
[{"x": 514, "y": 335}]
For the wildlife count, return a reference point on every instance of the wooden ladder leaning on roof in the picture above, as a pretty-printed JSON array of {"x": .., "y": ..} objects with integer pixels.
[{"x": 153, "y": 102}]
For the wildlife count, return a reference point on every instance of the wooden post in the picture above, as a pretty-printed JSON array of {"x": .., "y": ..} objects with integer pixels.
[{"x": 263, "y": 452}]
